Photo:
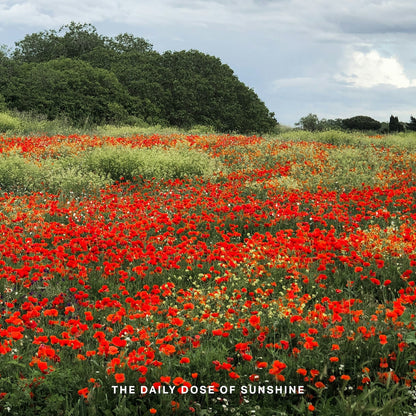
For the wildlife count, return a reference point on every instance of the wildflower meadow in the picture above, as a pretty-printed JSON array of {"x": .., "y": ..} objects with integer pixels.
[{"x": 207, "y": 274}]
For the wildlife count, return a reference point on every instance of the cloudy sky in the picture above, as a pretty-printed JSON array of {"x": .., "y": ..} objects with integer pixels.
[{"x": 332, "y": 59}]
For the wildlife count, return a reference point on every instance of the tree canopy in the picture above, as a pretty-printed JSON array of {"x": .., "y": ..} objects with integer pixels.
[
  {"x": 361, "y": 123},
  {"x": 312, "y": 123},
  {"x": 395, "y": 125},
  {"x": 412, "y": 124},
  {"x": 77, "y": 73}
]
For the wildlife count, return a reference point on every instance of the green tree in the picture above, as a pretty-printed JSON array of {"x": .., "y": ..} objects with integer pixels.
[
  {"x": 71, "y": 41},
  {"x": 39, "y": 47},
  {"x": 79, "y": 39},
  {"x": 4, "y": 52},
  {"x": 108, "y": 54},
  {"x": 177, "y": 88},
  {"x": 330, "y": 124},
  {"x": 3, "y": 106},
  {"x": 412, "y": 124},
  {"x": 9, "y": 74},
  {"x": 361, "y": 123},
  {"x": 203, "y": 90},
  {"x": 127, "y": 43},
  {"x": 309, "y": 122},
  {"x": 142, "y": 74},
  {"x": 71, "y": 88},
  {"x": 395, "y": 125}
]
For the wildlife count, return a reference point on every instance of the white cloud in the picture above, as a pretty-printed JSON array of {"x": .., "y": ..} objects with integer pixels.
[
  {"x": 367, "y": 70},
  {"x": 22, "y": 13}
]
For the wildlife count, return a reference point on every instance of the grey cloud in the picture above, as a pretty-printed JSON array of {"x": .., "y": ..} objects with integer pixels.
[
  {"x": 374, "y": 17},
  {"x": 188, "y": 12},
  {"x": 316, "y": 18},
  {"x": 363, "y": 25}
]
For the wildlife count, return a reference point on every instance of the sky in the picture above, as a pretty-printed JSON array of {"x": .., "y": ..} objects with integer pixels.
[{"x": 332, "y": 59}]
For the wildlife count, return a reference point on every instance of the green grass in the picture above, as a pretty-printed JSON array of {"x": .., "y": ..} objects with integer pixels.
[
  {"x": 405, "y": 141},
  {"x": 18, "y": 123},
  {"x": 9, "y": 123}
]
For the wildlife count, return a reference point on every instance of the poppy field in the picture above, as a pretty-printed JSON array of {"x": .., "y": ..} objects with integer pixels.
[{"x": 209, "y": 275}]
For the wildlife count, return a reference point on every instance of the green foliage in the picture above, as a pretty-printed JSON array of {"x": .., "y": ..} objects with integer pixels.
[
  {"x": 395, "y": 125},
  {"x": 376, "y": 400},
  {"x": 336, "y": 137},
  {"x": 312, "y": 123},
  {"x": 8, "y": 122},
  {"x": 32, "y": 124},
  {"x": 196, "y": 81},
  {"x": 72, "y": 88},
  {"x": 331, "y": 124},
  {"x": 20, "y": 175},
  {"x": 3, "y": 106},
  {"x": 133, "y": 129},
  {"x": 309, "y": 122},
  {"x": 71, "y": 41},
  {"x": 361, "y": 123},
  {"x": 61, "y": 177},
  {"x": 76, "y": 40},
  {"x": 40, "y": 396},
  {"x": 398, "y": 141},
  {"x": 121, "y": 163},
  {"x": 412, "y": 125},
  {"x": 38, "y": 47},
  {"x": 27, "y": 123}
]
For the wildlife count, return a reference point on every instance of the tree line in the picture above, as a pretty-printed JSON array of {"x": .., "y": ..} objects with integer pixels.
[
  {"x": 311, "y": 122},
  {"x": 80, "y": 75}
]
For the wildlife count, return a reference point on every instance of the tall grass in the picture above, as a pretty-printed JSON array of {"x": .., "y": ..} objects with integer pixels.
[
  {"x": 20, "y": 175},
  {"x": 90, "y": 171},
  {"x": 119, "y": 162},
  {"x": 337, "y": 137},
  {"x": 8, "y": 123},
  {"x": 25, "y": 123}
]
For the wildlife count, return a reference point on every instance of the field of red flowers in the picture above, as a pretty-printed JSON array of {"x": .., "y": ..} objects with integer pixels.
[{"x": 267, "y": 287}]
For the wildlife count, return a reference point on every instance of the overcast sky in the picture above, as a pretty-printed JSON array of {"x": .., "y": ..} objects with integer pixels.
[{"x": 333, "y": 59}]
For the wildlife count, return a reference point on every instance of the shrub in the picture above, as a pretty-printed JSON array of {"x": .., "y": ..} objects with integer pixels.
[
  {"x": 18, "y": 174},
  {"x": 61, "y": 177},
  {"x": 35, "y": 124},
  {"x": 8, "y": 122},
  {"x": 116, "y": 163}
]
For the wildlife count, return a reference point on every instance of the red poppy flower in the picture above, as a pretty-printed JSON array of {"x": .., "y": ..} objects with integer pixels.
[{"x": 119, "y": 377}]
